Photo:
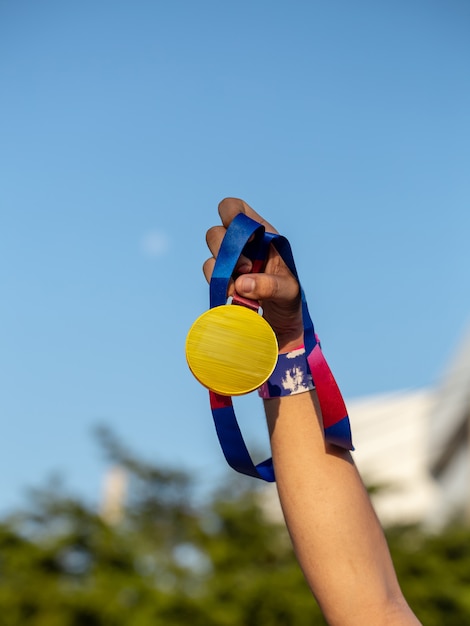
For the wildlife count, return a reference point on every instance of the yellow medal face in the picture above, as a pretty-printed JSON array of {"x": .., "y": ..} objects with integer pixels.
[{"x": 231, "y": 350}]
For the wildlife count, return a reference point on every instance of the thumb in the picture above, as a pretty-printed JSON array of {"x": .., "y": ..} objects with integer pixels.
[{"x": 267, "y": 287}]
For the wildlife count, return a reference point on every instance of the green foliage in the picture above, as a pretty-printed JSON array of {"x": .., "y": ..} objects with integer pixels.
[
  {"x": 434, "y": 571},
  {"x": 169, "y": 562}
]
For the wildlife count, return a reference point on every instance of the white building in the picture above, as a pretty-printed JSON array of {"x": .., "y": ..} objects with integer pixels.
[
  {"x": 416, "y": 446},
  {"x": 390, "y": 437}
]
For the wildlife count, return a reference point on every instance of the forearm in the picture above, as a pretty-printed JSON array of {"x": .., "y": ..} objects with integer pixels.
[{"x": 336, "y": 535}]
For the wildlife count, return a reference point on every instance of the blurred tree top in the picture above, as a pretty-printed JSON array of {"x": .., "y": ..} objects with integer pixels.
[{"x": 167, "y": 562}]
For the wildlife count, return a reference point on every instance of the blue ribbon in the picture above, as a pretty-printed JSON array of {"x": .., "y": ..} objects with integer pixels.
[{"x": 248, "y": 237}]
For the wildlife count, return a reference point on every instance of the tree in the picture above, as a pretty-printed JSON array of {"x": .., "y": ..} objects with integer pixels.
[
  {"x": 434, "y": 570},
  {"x": 166, "y": 562}
]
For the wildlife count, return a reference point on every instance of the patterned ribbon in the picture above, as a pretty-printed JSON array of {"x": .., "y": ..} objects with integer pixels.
[{"x": 246, "y": 236}]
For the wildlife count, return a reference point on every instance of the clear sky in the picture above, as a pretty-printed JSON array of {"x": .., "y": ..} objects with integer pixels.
[{"x": 123, "y": 123}]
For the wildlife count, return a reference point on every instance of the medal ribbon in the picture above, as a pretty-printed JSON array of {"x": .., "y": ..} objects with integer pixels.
[{"x": 246, "y": 236}]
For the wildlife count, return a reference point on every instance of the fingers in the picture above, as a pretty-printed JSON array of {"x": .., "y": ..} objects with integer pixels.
[
  {"x": 214, "y": 237},
  {"x": 208, "y": 268},
  {"x": 230, "y": 207}
]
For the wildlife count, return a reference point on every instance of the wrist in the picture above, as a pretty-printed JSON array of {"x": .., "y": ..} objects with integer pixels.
[
  {"x": 287, "y": 344},
  {"x": 290, "y": 339}
]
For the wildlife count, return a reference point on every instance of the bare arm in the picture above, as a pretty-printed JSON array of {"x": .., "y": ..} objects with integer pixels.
[{"x": 336, "y": 535}]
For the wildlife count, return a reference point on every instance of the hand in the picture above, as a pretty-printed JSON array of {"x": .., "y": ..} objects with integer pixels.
[{"x": 276, "y": 289}]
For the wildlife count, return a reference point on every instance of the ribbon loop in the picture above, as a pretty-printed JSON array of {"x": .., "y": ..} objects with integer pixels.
[{"x": 246, "y": 236}]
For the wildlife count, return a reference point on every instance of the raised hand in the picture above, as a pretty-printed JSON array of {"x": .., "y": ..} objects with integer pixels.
[{"x": 276, "y": 289}]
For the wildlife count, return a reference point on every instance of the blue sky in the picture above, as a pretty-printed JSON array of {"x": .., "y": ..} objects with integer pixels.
[{"x": 347, "y": 124}]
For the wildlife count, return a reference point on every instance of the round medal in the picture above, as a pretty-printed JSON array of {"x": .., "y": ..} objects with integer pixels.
[{"x": 231, "y": 350}]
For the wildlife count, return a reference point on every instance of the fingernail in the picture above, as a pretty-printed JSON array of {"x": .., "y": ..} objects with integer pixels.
[{"x": 247, "y": 284}]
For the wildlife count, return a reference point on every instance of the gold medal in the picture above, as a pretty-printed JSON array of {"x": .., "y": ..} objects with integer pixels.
[{"x": 231, "y": 350}]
